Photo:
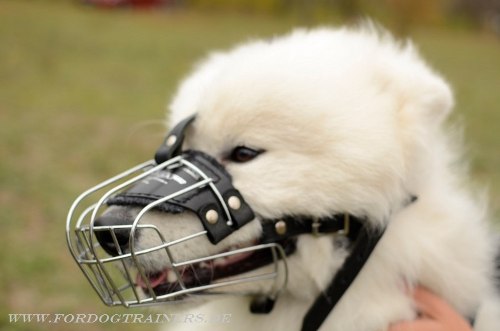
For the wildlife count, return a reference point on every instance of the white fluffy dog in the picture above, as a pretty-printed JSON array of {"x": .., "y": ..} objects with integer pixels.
[{"x": 335, "y": 121}]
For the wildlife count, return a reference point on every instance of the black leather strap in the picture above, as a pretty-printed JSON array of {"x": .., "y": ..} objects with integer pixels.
[
  {"x": 285, "y": 232},
  {"x": 166, "y": 182},
  {"x": 289, "y": 227},
  {"x": 324, "y": 304},
  {"x": 172, "y": 145}
]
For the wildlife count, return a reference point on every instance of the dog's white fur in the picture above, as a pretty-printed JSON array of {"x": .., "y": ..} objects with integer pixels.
[{"x": 354, "y": 122}]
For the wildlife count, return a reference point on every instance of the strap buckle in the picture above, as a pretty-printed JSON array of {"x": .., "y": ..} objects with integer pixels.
[
  {"x": 316, "y": 224},
  {"x": 347, "y": 226},
  {"x": 315, "y": 227}
]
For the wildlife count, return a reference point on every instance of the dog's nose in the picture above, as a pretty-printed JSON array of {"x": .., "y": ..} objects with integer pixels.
[{"x": 113, "y": 221}]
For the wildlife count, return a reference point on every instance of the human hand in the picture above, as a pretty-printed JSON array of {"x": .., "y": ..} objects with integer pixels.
[{"x": 434, "y": 315}]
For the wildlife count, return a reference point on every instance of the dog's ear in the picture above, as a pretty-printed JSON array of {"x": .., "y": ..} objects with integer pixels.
[
  {"x": 423, "y": 95},
  {"x": 429, "y": 98}
]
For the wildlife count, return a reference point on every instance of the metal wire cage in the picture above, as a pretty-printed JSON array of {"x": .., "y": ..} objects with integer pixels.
[{"x": 115, "y": 277}]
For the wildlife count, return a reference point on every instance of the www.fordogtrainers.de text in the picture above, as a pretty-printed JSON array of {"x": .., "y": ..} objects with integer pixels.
[{"x": 89, "y": 318}]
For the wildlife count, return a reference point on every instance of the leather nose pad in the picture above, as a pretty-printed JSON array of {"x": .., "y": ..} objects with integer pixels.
[{"x": 122, "y": 236}]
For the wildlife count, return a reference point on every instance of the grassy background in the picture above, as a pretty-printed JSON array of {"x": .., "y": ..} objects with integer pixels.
[{"x": 82, "y": 95}]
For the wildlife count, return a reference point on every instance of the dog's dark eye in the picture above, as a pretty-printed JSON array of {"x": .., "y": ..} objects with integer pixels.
[{"x": 243, "y": 154}]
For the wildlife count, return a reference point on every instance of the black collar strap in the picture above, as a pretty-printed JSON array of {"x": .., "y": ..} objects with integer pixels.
[
  {"x": 289, "y": 227},
  {"x": 286, "y": 230},
  {"x": 363, "y": 246}
]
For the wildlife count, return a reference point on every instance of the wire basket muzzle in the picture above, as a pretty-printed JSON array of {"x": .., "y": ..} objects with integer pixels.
[{"x": 190, "y": 182}]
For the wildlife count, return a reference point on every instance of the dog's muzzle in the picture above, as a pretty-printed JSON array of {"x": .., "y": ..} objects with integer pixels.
[{"x": 105, "y": 245}]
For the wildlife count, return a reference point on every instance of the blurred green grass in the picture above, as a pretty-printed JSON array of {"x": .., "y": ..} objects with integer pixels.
[{"x": 82, "y": 96}]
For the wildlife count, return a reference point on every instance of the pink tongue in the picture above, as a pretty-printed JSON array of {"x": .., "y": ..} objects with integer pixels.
[{"x": 154, "y": 281}]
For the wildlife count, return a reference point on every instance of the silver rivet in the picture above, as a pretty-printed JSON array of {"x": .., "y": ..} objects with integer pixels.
[
  {"x": 234, "y": 202},
  {"x": 171, "y": 140},
  {"x": 280, "y": 227},
  {"x": 212, "y": 216}
]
